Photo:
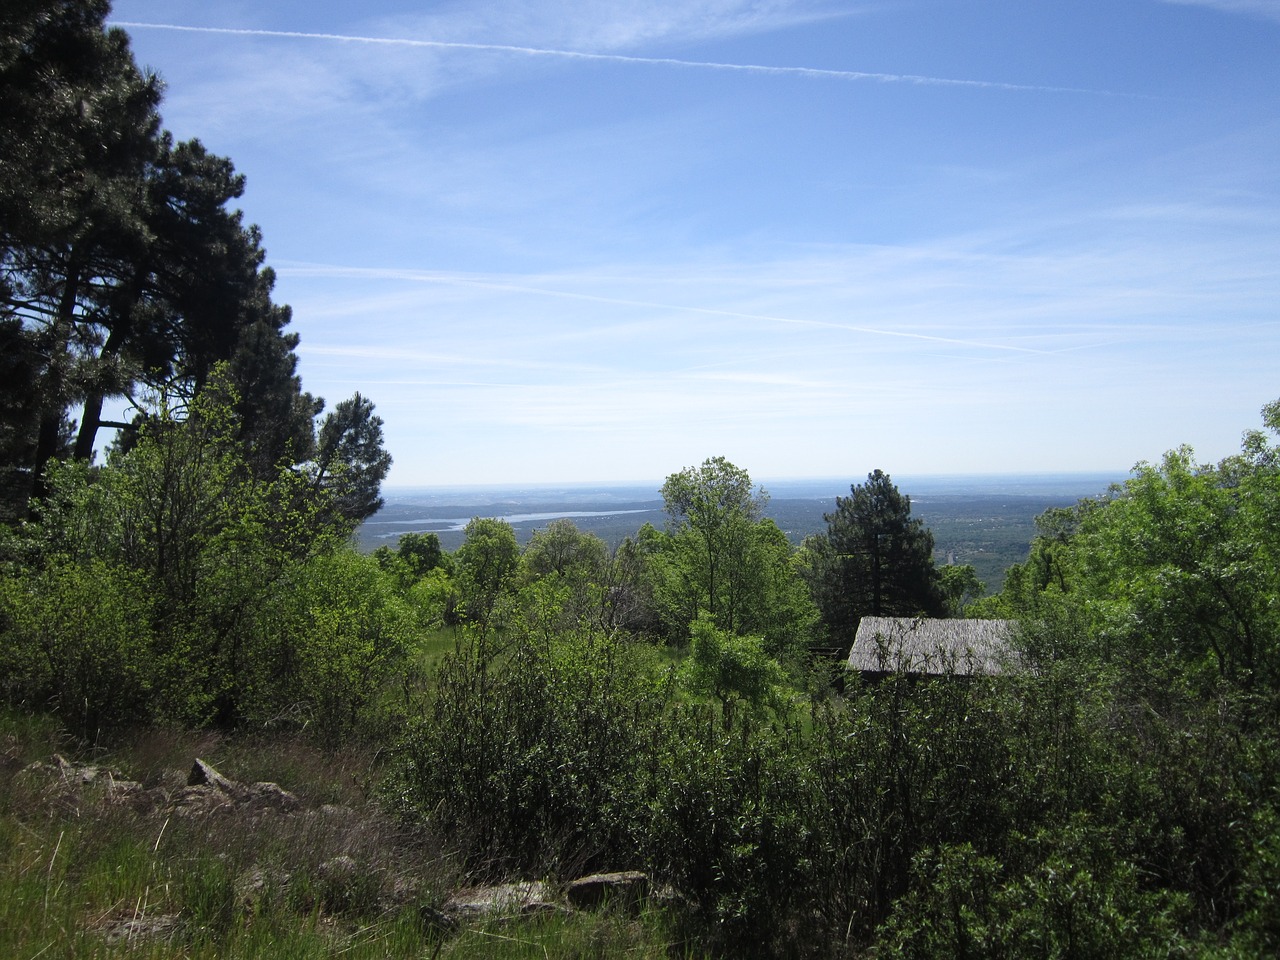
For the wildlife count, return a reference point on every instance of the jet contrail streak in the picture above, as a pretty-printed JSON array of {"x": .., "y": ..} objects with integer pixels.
[
  {"x": 815, "y": 72},
  {"x": 420, "y": 277}
]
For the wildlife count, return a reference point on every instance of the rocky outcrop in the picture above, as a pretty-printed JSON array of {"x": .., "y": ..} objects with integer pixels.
[
  {"x": 207, "y": 791},
  {"x": 339, "y": 883},
  {"x": 208, "y": 788}
]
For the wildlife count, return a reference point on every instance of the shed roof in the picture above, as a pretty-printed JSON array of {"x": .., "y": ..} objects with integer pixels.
[{"x": 922, "y": 645}]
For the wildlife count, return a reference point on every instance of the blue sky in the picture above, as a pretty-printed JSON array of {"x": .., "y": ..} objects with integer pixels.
[{"x": 600, "y": 241}]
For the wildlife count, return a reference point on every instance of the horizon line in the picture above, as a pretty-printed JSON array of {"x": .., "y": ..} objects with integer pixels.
[{"x": 815, "y": 478}]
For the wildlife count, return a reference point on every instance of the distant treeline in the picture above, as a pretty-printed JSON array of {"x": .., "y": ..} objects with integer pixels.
[{"x": 990, "y": 531}]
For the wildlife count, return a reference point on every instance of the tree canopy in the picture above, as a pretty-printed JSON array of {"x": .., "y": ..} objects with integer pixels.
[
  {"x": 125, "y": 273},
  {"x": 720, "y": 557},
  {"x": 1178, "y": 568},
  {"x": 874, "y": 560}
]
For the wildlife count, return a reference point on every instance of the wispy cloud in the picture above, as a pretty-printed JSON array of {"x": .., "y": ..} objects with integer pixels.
[
  {"x": 601, "y": 25},
  {"x": 528, "y": 51},
  {"x": 1268, "y": 9},
  {"x": 519, "y": 288}
]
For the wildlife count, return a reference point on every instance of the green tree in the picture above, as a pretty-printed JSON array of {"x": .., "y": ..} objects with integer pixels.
[
  {"x": 713, "y": 509},
  {"x": 734, "y": 669},
  {"x": 776, "y": 603},
  {"x": 1176, "y": 569},
  {"x": 77, "y": 642},
  {"x": 350, "y": 461},
  {"x": 628, "y": 584},
  {"x": 420, "y": 553},
  {"x": 960, "y": 586},
  {"x": 875, "y": 560},
  {"x": 574, "y": 563},
  {"x": 562, "y": 550},
  {"x": 487, "y": 563},
  {"x": 330, "y": 634},
  {"x": 180, "y": 514}
]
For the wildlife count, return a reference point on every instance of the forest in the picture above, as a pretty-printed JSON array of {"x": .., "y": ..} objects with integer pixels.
[{"x": 676, "y": 705}]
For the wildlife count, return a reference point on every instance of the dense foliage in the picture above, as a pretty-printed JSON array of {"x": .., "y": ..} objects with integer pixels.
[
  {"x": 1117, "y": 798},
  {"x": 173, "y": 584}
]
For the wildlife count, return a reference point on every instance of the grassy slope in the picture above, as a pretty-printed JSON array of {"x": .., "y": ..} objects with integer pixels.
[{"x": 81, "y": 876}]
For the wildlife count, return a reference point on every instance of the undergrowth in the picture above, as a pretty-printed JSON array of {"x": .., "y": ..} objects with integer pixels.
[{"x": 84, "y": 876}]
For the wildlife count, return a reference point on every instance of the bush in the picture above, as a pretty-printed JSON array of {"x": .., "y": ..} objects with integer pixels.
[
  {"x": 77, "y": 641},
  {"x": 327, "y": 640},
  {"x": 530, "y": 747}
]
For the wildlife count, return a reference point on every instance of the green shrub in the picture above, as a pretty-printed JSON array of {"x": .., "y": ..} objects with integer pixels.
[
  {"x": 327, "y": 639},
  {"x": 76, "y": 640}
]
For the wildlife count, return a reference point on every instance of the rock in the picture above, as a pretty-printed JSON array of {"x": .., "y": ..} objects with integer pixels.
[
  {"x": 134, "y": 929},
  {"x": 271, "y": 796},
  {"x": 627, "y": 888},
  {"x": 258, "y": 886},
  {"x": 204, "y": 777},
  {"x": 523, "y": 898},
  {"x": 197, "y": 801}
]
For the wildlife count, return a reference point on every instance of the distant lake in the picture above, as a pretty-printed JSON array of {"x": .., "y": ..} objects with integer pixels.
[{"x": 458, "y": 524}]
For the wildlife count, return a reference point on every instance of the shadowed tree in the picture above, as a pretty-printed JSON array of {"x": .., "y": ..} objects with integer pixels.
[
  {"x": 875, "y": 560},
  {"x": 350, "y": 461},
  {"x": 78, "y": 131},
  {"x": 121, "y": 264}
]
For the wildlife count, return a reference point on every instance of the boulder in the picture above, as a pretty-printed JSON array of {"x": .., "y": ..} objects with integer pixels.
[
  {"x": 206, "y": 780},
  {"x": 523, "y": 898},
  {"x": 627, "y": 888}
]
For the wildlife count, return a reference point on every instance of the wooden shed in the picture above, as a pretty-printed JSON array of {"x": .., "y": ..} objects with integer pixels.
[{"x": 923, "y": 646}]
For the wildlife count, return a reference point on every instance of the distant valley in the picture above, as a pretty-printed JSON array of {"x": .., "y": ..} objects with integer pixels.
[{"x": 984, "y": 520}]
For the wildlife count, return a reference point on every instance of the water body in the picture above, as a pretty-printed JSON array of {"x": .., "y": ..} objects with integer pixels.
[{"x": 458, "y": 524}]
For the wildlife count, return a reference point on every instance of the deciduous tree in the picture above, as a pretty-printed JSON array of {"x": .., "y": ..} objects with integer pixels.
[
  {"x": 713, "y": 509},
  {"x": 487, "y": 562}
]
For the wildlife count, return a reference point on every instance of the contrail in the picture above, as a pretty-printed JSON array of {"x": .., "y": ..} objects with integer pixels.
[
  {"x": 301, "y": 269},
  {"x": 815, "y": 72}
]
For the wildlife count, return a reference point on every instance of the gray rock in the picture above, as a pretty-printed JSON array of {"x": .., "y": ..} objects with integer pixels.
[
  {"x": 522, "y": 898},
  {"x": 204, "y": 777},
  {"x": 136, "y": 929},
  {"x": 626, "y": 888}
]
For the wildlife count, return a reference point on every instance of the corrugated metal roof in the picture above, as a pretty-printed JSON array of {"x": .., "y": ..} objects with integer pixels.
[{"x": 924, "y": 645}]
